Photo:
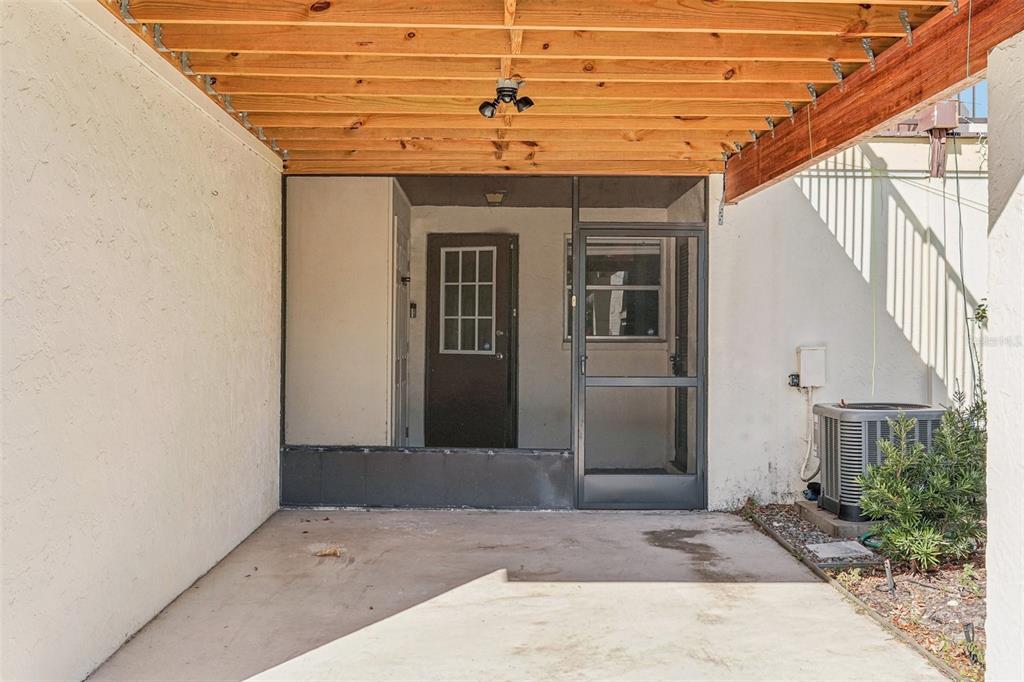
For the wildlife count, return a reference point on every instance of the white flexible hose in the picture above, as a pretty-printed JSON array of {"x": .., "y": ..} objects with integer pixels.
[{"x": 810, "y": 438}]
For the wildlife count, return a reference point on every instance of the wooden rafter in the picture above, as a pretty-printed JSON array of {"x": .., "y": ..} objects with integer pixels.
[
  {"x": 515, "y": 39},
  {"x": 580, "y": 137},
  {"x": 711, "y": 150},
  {"x": 412, "y": 166},
  {"x": 479, "y": 42},
  {"x": 948, "y": 53},
  {"x": 458, "y": 105},
  {"x": 588, "y": 90},
  {"x": 849, "y": 18},
  {"x": 473, "y": 122},
  {"x": 536, "y": 70}
]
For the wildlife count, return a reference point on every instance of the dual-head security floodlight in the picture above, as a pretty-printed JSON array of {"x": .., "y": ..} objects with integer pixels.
[{"x": 506, "y": 93}]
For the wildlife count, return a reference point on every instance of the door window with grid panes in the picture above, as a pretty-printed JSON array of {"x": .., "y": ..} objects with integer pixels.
[{"x": 467, "y": 300}]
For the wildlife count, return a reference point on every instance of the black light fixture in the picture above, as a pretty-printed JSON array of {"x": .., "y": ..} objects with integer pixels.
[
  {"x": 506, "y": 93},
  {"x": 488, "y": 109}
]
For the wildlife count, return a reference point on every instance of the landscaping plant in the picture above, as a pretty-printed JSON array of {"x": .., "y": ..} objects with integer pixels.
[{"x": 930, "y": 505}]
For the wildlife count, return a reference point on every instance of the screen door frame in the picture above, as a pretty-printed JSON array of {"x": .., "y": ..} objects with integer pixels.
[{"x": 637, "y": 491}]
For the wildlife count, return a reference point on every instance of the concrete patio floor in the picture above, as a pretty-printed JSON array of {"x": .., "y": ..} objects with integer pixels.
[{"x": 466, "y": 595}]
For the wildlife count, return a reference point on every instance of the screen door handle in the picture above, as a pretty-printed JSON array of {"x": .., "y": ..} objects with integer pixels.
[{"x": 583, "y": 365}]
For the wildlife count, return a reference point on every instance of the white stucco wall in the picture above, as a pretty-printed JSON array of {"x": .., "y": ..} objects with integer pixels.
[
  {"x": 140, "y": 339},
  {"x": 1004, "y": 374},
  {"x": 339, "y": 311},
  {"x": 851, "y": 255}
]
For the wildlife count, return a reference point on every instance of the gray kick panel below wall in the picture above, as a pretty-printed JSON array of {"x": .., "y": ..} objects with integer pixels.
[{"x": 426, "y": 477}]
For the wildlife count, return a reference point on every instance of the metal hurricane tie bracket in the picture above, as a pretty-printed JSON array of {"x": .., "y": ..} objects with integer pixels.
[
  {"x": 866, "y": 44},
  {"x": 905, "y": 20},
  {"x": 126, "y": 14},
  {"x": 158, "y": 38},
  {"x": 814, "y": 94},
  {"x": 837, "y": 69}
]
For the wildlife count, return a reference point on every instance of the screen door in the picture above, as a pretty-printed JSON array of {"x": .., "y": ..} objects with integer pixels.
[{"x": 637, "y": 305}]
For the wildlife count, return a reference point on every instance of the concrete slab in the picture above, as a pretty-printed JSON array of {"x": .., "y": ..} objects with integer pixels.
[
  {"x": 510, "y": 595},
  {"x": 827, "y": 522},
  {"x": 847, "y": 549}
]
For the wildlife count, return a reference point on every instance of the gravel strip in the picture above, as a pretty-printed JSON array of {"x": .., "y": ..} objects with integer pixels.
[{"x": 785, "y": 520}]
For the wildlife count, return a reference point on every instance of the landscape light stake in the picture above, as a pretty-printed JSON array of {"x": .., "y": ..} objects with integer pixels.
[
  {"x": 888, "y": 579},
  {"x": 972, "y": 651}
]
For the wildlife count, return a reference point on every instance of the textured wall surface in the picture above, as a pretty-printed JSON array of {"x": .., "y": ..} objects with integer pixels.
[
  {"x": 1004, "y": 355},
  {"x": 141, "y": 338},
  {"x": 851, "y": 255},
  {"x": 339, "y": 312}
]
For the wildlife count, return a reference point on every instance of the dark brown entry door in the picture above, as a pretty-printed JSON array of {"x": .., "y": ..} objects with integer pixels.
[{"x": 471, "y": 340}]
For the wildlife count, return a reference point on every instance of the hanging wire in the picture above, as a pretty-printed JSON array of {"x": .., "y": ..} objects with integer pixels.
[{"x": 963, "y": 273}]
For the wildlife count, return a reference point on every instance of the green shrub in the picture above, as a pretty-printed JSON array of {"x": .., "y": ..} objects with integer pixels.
[{"x": 930, "y": 505}]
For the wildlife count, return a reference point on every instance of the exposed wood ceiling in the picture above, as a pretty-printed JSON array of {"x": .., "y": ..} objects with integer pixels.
[{"x": 648, "y": 87}]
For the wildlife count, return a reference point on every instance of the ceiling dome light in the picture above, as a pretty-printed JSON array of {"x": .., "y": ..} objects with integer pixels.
[
  {"x": 495, "y": 197},
  {"x": 506, "y": 93}
]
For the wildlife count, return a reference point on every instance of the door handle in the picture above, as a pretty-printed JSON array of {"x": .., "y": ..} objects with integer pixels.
[
  {"x": 499, "y": 356},
  {"x": 676, "y": 361},
  {"x": 583, "y": 365}
]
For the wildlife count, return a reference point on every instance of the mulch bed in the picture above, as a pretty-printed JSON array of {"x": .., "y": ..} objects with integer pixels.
[{"x": 933, "y": 607}]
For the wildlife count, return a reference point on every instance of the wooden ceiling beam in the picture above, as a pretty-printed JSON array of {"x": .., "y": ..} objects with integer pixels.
[
  {"x": 705, "y": 149},
  {"x": 529, "y": 121},
  {"x": 515, "y": 39},
  {"x": 475, "y": 43},
  {"x": 506, "y": 153},
  {"x": 362, "y": 87},
  {"x": 723, "y": 16},
  {"x": 406, "y": 166},
  {"x": 948, "y": 53},
  {"x": 533, "y": 70},
  {"x": 465, "y": 105},
  {"x": 597, "y": 137}
]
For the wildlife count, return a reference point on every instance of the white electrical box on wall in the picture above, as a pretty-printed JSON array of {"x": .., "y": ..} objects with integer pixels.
[{"x": 810, "y": 364}]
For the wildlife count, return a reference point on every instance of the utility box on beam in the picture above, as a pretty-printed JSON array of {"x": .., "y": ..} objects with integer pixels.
[{"x": 944, "y": 115}]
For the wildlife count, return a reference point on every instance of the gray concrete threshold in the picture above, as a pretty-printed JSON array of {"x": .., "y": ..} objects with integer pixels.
[{"x": 469, "y": 595}]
